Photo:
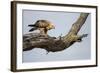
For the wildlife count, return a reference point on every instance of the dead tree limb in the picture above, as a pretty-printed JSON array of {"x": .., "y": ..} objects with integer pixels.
[{"x": 54, "y": 44}]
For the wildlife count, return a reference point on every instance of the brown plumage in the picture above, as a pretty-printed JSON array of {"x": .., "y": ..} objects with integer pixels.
[{"x": 42, "y": 25}]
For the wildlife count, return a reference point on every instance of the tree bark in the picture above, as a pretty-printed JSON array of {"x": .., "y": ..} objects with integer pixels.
[{"x": 54, "y": 44}]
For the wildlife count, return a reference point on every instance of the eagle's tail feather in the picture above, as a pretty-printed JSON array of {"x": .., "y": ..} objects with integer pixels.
[
  {"x": 31, "y": 25},
  {"x": 32, "y": 29}
]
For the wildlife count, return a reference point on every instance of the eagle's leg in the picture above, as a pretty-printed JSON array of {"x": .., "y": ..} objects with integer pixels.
[{"x": 43, "y": 32}]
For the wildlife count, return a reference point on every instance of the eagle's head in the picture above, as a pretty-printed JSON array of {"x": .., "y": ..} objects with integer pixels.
[{"x": 51, "y": 26}]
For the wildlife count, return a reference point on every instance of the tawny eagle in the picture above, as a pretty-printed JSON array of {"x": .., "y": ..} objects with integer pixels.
[{"x": 42, "y": 25}]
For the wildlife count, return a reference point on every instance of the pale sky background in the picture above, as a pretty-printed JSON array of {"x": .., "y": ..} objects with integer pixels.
[{"x": 63, "y": 22}]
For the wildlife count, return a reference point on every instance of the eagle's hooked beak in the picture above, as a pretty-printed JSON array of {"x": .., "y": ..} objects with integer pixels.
[{"x": 53, "y": 27}]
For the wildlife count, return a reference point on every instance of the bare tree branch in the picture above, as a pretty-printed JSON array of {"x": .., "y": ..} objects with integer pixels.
[
  {"x": 54, "y": 44},
  {"x": 78, "y": 24}
]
